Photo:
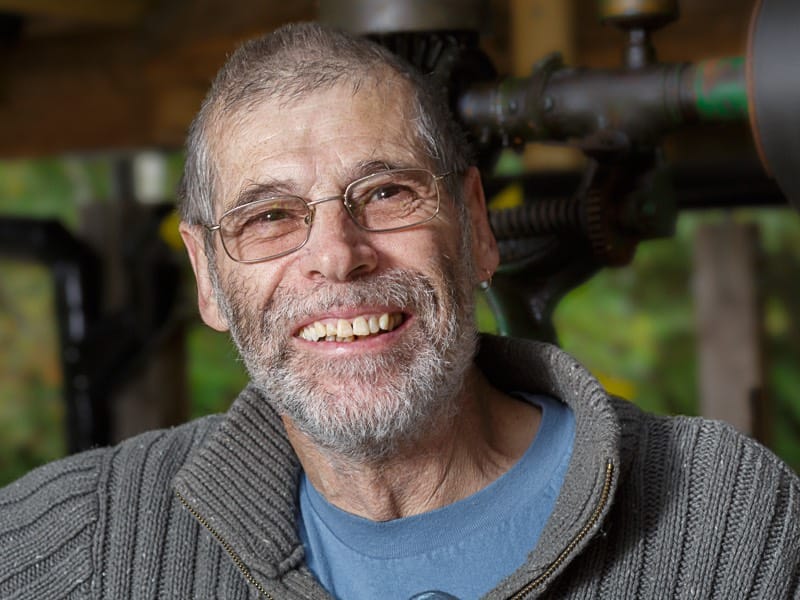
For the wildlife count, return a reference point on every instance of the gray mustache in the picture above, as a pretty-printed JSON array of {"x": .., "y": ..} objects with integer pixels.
[{"x": 396, "y": 288}]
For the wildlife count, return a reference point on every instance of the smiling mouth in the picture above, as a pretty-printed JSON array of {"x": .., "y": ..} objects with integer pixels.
[{"x": 350, "y": 330}]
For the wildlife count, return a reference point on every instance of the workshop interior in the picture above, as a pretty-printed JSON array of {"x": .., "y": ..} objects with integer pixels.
[{"x": 596, "y": 124}]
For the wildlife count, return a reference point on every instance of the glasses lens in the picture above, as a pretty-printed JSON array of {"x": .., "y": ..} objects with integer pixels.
[
  {"x": 264, "y": 229},
  {"x": 393, "y": 199}
]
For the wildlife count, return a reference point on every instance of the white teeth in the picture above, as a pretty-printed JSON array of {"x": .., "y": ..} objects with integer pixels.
[
  {"x": 309, "y": 333},
  {"x": 374, "y": 327},
  {"x": 390, "y": 322},
  {"x": 360, "y": 326},
  {"x": 344, "y": 330}
]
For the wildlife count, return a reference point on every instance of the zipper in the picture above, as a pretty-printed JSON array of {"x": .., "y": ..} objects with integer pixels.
[
  {"x": 604, "y": 495},
  {"x": 518, "y": 595},
  {"x": 235, "y": 557}
]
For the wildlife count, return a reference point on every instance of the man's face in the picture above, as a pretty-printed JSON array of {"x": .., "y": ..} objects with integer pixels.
[{"x": 412, "y": 289}]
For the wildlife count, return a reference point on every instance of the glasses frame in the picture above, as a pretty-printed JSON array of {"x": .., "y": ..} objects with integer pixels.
[{"x": 311, "y": 205}]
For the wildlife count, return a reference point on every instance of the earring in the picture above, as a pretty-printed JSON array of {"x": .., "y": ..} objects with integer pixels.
[{"x": 486, "y": 283}]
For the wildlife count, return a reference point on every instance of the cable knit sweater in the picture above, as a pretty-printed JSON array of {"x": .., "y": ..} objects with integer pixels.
[{"x": 651, "y": 507}]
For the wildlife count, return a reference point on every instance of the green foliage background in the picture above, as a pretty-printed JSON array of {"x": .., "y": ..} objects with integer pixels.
[{"x": 633, "y": 327}]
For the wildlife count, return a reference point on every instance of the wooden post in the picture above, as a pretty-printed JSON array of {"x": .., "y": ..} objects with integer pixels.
[
  {"x": 538, "y": 28},
  {"x": 157, "y": 396},
  {"x": 153, "y": 393},
  {"x": 728, "y": 313}
]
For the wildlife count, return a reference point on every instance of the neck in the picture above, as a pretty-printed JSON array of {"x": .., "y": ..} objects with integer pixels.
[{"x": 456, "y": 459}]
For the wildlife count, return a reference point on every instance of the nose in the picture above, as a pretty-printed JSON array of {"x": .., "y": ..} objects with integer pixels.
[{"x": 337, "y": 250}]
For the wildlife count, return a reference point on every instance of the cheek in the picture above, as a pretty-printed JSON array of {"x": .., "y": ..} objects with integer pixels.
[
  {"x": 251, "y": 287},
  {"x": 437, "y": 241}
]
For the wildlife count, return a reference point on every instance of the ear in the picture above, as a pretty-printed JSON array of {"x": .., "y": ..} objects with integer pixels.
[
  {"x": 206, "y": 298},
  {"x": 485, "y": 254}
]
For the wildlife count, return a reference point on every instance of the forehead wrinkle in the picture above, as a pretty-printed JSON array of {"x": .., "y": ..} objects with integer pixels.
[
  {"x": 404, "y": 148},
  {"x": 252, "y": 191}
]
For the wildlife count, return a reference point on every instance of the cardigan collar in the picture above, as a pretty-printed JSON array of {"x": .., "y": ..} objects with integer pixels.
[{"x": 242, "y": 480}]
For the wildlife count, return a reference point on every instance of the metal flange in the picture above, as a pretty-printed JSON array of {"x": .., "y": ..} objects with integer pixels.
[
  {"x": 392, "y": 16},
  {"x": 773, "y": 73}
]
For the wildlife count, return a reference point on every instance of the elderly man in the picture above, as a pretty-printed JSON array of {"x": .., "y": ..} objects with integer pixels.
[{"x": 338, "y": 231}]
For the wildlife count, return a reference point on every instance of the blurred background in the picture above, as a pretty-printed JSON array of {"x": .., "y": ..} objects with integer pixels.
[{"x": 99, "y": 333}]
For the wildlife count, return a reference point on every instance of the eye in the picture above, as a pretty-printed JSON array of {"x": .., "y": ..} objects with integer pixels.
[
  {"x": 274, "y": 217},
  {"x": 273, "y": 221},
  {"x": 269, "y": 215},
  {"x": 390, "y": 191}
]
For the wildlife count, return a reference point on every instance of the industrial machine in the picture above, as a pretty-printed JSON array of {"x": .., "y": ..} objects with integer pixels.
[
  {"x": 566, "y": 229},
  {"x": 616, "y": 117}
]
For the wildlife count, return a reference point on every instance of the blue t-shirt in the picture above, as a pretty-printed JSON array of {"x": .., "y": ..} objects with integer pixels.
[{"x": 462, "y": 550}]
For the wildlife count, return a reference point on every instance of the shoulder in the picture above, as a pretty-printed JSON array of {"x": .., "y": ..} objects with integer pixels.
[
  {"x": 695, "y": 448},
  {"x": 700, "y": 455},
  {"x": 51, "y": 520},
  {"x": 725, "y": 506},
  {"x": 46, "y": 516},
  {"x": 86, "y": 471}
]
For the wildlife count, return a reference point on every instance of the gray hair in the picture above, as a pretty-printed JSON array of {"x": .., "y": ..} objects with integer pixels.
[{"x": 288, "y": 64}]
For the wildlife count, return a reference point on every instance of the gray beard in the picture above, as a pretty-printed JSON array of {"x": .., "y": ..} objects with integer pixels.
[{"x": 366, "y": 407}]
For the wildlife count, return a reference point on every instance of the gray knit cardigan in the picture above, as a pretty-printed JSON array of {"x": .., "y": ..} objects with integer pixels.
[{"x": 651, "y": 507}]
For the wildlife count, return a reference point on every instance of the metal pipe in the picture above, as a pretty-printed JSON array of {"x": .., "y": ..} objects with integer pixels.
[
  {"x": 716, "y": 90},
  {"x": 605, "y": 110}
]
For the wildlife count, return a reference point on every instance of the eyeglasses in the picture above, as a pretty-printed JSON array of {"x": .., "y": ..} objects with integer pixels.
[{"x": 276, "y": 226}]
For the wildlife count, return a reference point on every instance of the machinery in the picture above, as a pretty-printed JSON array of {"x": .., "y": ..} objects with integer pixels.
[
  {"x": 567, "y": 228},
  {"x": 616, "y": 117}
]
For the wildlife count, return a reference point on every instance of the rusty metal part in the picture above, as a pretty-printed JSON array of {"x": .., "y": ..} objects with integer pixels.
[
  {"x": 617, "y": 205},
  {"x": 774, "y": 89},
  {"x": 626, "y": 204},
  {"x": 524, "y": 298},
  {"x": 604, "y": 110},
  {"x": 641, "y": 13},
  {"x": 540, "y": 217},
  {"x": 638, "y": 18},
  {"x": 393, "y": 16},
  {"x": 599, "y": 111}
]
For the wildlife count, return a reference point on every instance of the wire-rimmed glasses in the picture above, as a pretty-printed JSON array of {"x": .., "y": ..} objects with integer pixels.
[{"x": 272, "y": 227}]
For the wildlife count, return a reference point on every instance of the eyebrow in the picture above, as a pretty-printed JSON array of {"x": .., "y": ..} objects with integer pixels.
[
  {"x": 256, "y": 190},
  {"x": 370, "y": 167}
]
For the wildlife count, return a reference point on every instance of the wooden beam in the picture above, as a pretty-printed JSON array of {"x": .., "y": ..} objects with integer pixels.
[
  {"x": 538, "y": 28},
  {"x": 72, "y": 95},
  {"x": 116, "y": 12},
  {"x": 140, "y": 86},
  {"x": 121, "y": 89},
  {"x": 729, "y": 326}
]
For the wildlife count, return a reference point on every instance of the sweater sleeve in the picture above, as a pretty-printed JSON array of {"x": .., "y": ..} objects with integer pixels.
[
  {"x": 711, "y": 514},
  {"x": 701, "y": 511},
  {"x": 94, "y": 525},
  {"x": 47, "y": 524},
  {"x": 749, "y": 508}
]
